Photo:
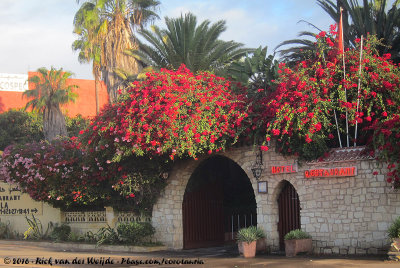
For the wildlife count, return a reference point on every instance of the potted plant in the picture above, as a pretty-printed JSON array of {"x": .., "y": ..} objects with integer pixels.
[
  {"x": 247, "y": 240},
  {"x": 297, "y": 241},
  {"x": 394, "y": 235}
]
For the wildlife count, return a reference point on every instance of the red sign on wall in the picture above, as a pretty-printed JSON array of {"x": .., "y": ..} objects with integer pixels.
[
  {"x": 283, "y": 169},
  {"x": 331, "y": 172}
]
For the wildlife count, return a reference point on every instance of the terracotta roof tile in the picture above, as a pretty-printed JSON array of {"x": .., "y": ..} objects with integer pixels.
[{"x": 344, "y": 154}]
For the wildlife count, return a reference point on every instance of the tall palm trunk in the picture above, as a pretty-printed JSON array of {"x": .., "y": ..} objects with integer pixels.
[
  {"x": 53, "y": 123},
  {"x": 116, "y": 42}
]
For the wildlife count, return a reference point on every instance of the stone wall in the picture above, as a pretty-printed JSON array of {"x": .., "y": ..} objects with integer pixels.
[{"x": 344, "y": 215}]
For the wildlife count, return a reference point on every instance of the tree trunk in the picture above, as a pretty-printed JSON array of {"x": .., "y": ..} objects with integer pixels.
[
  {"x": 119, "y": 39},
  {"x": 96, "y": 90},
  {"x": 53, "y": 123}
]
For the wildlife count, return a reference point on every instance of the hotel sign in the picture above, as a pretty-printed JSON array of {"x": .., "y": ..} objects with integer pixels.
[
  {"x": 284, "y": 169},
  {"x": 331, "y": 172},
  {"x": 13, "y": 82}
]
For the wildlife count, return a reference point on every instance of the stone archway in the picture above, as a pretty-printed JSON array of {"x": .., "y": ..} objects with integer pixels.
[
  {"x": 219, "y": 199},
  {"x": 167, "y": 212}
]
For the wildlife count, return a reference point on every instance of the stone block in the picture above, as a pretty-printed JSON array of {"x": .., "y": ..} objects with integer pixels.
[
  {"x": 358, "y": 215},
  {"x": 324, "y": 228},
  {"x": 383, "y": 226},
  {"x": 361, "y": 251}
]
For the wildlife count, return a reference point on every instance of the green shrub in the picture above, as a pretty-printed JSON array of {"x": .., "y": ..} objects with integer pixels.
[
  {"x": 106, "y": 235},
  {"x": 61, "y": 233},
  {"x": 297, "y": 234},
  {"x": 249, "y": 234},
  {"x": 394, "y": 229},
  {"x": 19, "y": 127},
  {"x": 135, "y": 232},
  {"x": 3, "y": 229}
]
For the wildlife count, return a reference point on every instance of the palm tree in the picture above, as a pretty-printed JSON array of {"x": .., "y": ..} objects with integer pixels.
[
  {"x": 50, "y": 90},
  {"x": 183, "y": 41},
  {"x": 86, "y": 22},
  {"x": 373, "y": 18},
  {"x": 255, "y": 71},
  {"x": 108, "y": 28}
]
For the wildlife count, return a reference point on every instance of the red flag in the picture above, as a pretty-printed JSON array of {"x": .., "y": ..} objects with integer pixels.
[{"x": 340, "y": 33}]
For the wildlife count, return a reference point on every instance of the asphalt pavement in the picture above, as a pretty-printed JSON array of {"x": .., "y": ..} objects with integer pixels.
[{"x": 31, "y": 254}]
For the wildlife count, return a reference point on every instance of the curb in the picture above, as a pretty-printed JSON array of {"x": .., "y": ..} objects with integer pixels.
[{"x": 91, "y": 247}]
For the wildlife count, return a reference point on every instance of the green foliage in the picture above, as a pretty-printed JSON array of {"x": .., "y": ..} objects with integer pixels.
[
  {"x": 19, "y": 127},
  {"x": 134, "y": 232},
  {"x": 256, "y": 72},
  {"x": 250, "y": 234},
  {"x": 186, "y": 42},
  {"x": 35, "y": 230},
  {"x": 394, "y": 229},
  {"x": 76, "y": 124},
  {"x": 3, "y": 229},
  {"x": 297, "y": 234},
  {"x": 60, "y": 232},
  {"x": 127, "y": 233},
  {"x": 106, "y": 235}
]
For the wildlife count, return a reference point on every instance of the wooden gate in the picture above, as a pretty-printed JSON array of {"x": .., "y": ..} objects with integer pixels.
[
  {"x": 202, "y": 213},
  {"x": 289, "y": 212}
]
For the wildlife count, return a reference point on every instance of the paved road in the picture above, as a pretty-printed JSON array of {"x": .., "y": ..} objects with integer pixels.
[{"x": 22, "y": 254}]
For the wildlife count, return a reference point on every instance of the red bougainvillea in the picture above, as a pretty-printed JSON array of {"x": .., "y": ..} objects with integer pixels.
[
  {"x": 174, "y": 113},
  {"x": 314, "y": 95}
]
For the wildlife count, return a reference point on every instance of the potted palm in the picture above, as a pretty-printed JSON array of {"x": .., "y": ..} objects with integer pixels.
[
  {"x": 247, "y": 240},
  {"x": 297, "y": 241}
]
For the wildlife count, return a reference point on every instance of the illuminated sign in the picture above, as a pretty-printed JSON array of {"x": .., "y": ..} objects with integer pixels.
[
  {"x": 331, "y": 172},
  {"x": 284, "y": 169},
  {"x": 13, "y": 82}
]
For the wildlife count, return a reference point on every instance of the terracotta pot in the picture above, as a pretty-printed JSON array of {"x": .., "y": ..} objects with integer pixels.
[
  {"x": 294, "y": 246},
  {"x": 249, "y": 249}
]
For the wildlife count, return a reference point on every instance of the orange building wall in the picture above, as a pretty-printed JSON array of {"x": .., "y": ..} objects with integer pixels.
[{"x": 85, "y": 104}]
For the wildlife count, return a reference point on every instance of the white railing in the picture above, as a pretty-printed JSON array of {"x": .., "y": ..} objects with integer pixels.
[
  {"x": 103, "y": 216},
  {"x": 85, "y": 216},
  {"x": 131, "y": 217}
]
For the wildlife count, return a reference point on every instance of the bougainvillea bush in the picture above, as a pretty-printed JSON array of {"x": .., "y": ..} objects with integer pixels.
[
  {"x": 55, "y": 172},
  {"x": 174, "y": 113},
  {"x": 311, "y": 97}
]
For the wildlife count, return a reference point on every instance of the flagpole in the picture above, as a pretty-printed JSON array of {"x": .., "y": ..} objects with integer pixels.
[
  {"x": 344, "y": 75},
  {"x": 359, "y": 87}
]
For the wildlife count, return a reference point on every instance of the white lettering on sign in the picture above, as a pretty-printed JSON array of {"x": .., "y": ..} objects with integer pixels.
[{"x": 13, "y": 82}]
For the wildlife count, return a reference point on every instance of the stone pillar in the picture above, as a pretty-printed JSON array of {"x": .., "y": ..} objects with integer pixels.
[{"x": 111, "y": 217}]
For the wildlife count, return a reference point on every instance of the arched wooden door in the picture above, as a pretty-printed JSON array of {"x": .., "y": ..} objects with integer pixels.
[
  {"x": 289, "y": 212},
  {"x": 202, "y": 213}
]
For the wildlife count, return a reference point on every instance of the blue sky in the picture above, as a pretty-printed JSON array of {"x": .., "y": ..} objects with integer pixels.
[{"x": 38, "y": 33}]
